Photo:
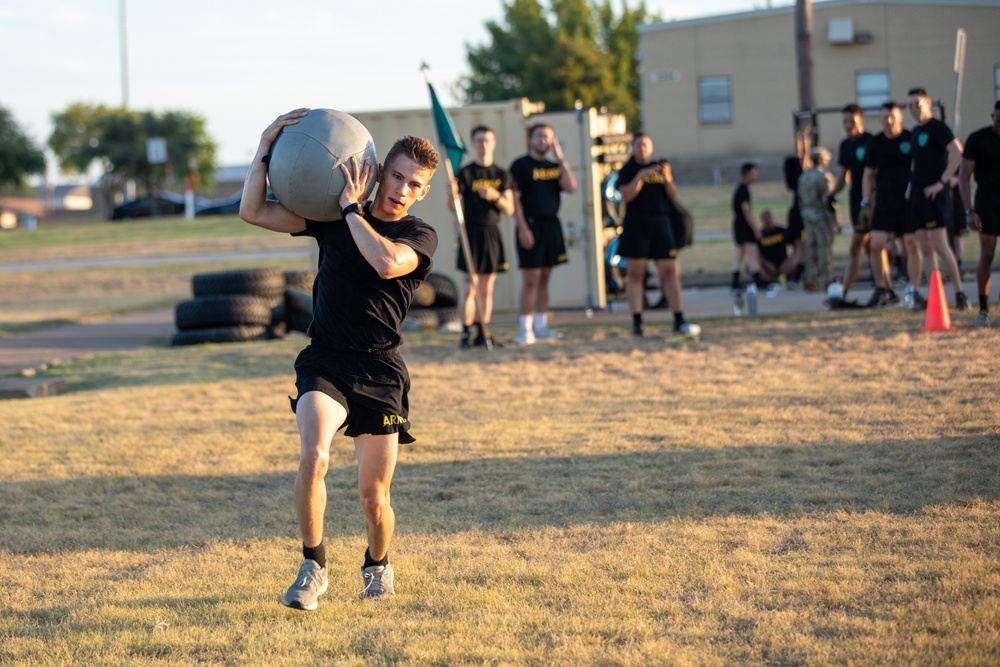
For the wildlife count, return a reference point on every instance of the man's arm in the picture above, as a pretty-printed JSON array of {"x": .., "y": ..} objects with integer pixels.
[
  {"x": 868, "y": 184},
  {"x": 524, "y": 236},
  {"x": 388, "y": 258},
  {"x": 567, "y": 181},
  {"x": 506, "y": 202},
  {"x": 965, "y": 191},
  {"x": 254, "y": 206},
  {"x": 842, "y": 179}
]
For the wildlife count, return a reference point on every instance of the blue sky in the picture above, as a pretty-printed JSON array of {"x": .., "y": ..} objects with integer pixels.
[{"x": 240, "y": 63}]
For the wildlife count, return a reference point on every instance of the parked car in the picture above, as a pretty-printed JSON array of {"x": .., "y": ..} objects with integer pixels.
[
  {"x": 227, "y": 205},
  {"x": 165, "y": 203}
]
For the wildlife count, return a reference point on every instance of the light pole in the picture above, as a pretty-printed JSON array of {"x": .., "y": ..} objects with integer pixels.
[{"x": 123, "y": 46}]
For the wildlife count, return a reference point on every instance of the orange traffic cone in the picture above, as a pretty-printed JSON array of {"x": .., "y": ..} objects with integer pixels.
[{"x": 938, "y": 317}]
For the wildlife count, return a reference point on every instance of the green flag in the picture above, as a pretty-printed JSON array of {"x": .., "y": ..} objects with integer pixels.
[{"x": 448, "y": 136}]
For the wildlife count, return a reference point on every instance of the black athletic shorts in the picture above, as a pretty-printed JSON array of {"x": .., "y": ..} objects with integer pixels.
[
  {"x": 647, "y": 237},
  {"x": 373, "y": 387},
  {"x": 987, "y": 205},
  {"x": 796, "y": 228},
  {"x": 549, "y": 249},
  {"x": 930, "y": 213},
  {"x": 486, "y": 245},
  {"x": 743, "y": 233},
  {"x": 891, "y": 214}
]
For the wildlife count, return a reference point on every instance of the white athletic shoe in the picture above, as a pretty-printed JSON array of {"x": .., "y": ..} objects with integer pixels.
[
  {"x": 688, "y": 329},
  {"x": 525, "y": 338},
  {"x": 378, "y": 580},
  {"x": 546, "y": 333}
]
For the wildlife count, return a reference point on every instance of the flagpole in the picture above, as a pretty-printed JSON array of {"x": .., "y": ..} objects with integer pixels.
[
  {"x": 447, "y": 132},
  {"x": 463, "y": 237}
]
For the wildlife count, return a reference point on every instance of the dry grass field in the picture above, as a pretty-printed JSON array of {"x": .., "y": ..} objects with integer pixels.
[
  {"x": 803, "y": 490},
  {"x": 790, "y": 491}
]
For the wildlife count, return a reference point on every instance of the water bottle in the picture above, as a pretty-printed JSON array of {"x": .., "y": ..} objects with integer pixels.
[
  {"x": 908, "y": 296},
  {"x": 752, "y": 299}
]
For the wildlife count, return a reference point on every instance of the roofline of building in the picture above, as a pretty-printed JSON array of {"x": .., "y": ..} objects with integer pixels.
[{"x": 790, "y": 8}]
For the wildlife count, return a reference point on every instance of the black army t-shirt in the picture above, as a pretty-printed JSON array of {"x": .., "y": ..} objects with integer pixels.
[
  {"x": 471, "y": 178},
  {"x": 773, "y": 245},
  {"x": 852, "y": 158},
  {"x": 983, "y": 146},
  {"x": 741, "y": 194},
  {"x": 652, "y": 200},
  {"x": 930, "y": 152},
  {"x": 891, "y": 158},
  {"x": 538, "y": 183},
  {"x": 353, "y": 307}
]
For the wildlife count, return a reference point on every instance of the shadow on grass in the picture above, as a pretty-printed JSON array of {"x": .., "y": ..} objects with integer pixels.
[{"x": 150, "y": 513}]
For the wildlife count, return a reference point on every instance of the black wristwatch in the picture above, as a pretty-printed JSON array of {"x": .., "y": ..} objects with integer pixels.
[{"x": 351, "y": 208}]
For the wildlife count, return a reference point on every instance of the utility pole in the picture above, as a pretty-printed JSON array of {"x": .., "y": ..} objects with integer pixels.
[
  {"x": 123, "y": 45},
  {"x": 803, "y": 53}
]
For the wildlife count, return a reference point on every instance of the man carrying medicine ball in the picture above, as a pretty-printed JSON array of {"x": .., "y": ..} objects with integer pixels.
[{"x": 351, "y": 374}]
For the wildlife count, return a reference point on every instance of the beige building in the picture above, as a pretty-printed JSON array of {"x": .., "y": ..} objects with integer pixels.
[{"x": 727, "y": 86}]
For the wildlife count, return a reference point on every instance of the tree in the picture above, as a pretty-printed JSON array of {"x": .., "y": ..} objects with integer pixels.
[
  {"x": 19, "y": 156},
  {"x": 116, "y": 138},
  {"x": 576, "y": 50}
]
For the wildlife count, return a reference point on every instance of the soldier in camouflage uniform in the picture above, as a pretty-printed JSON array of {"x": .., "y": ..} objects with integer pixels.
[{"x": 819, "y": 220}]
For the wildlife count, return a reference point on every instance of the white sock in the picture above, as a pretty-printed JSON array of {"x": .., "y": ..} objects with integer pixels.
[
  {"x": 541, "y": 321},
  {"x": 526, "y": 323}
]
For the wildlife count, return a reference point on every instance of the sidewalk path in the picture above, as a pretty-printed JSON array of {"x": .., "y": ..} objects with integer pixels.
[{"x": 72, "y": 341}]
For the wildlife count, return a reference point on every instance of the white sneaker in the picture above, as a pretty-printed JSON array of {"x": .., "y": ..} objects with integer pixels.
[
  {"x": 525, "y": 338},
  {"x": 688, "y": 329},
  {"x": 546, "y": 333}
]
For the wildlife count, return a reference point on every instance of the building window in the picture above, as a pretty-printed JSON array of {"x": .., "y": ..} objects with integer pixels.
[
  {"x": 715, "y": 104},
  {"x": 871, "y": 89}
]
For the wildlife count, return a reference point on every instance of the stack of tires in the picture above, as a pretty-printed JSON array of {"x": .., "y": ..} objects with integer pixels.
[
  {"x": 232, "y": 306},
  {"x": 435, "y": 306}
]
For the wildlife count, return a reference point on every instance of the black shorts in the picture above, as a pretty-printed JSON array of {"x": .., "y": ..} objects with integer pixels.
[
  {"x": 743, "y": 233},
  {"x": 930, "y": 213},
  {"x": 647, "y": 237},
  {"x": 891, "y": 214},
  {"x": 486, "y": 245},
  {"x": 987, "y": 206},
  {"x": 373, "y": 388},
  {"x": 549, "y": 249},
  {"x": 796, "y": 228}
]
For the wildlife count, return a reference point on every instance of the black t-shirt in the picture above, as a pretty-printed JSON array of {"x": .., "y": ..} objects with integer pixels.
[
  {"x": 930, "y": 152},
  {"x": 773, "y": 245},
  {"x": 891, "y": 159},
  {"x": 353, "y": 307},
  {"x": 652, "y": 200},
  {"x": 538, "y": 183},
  {"x": 470, "y": 178},
  {"x": 852, "y": 158},
  {"x": 983, "y": 146},
  {"x": 740, "y": 195}
]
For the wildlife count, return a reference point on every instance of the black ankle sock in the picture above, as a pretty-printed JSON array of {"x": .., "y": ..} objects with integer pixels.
[
  {"x": 736, "y": 280},
  {"x": 369, "y": 561},
  {"x": 678, "y": 320},
  {"x": 637, "y": 320},
  {"x": 757, "y": 280},
  {"x": 316, "y": 553},
  {"x": 984, "y": 302}
]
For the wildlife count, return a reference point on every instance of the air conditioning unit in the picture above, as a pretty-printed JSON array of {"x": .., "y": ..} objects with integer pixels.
[{"x": 840, "y": 31}]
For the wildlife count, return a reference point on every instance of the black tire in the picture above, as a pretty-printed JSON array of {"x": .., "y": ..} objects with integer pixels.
[
  {"x": 220, "y": 335},
  {"x": 447, "y": 316},
  {"x": 222, "y": 311},
  {"x": 268, "y": 283},
  {"x": 445, "y": 290},
  {"x": 424, "y": 295},
  {"x": 298, "y": 321},
  {"x": 300, "y": 279},
  {"x": 421, "y": 319}
]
